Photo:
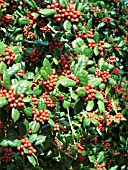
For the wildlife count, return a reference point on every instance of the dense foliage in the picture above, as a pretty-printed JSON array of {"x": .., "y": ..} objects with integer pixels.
[{"x": 63, "y": 85}]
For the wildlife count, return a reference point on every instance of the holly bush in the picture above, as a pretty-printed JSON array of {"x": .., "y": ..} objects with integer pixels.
[{"x": 63, "y": 85}]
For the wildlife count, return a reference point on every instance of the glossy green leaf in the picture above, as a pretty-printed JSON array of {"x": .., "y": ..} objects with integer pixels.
[
  {"x": 90, "y": 105},
  {"x": 96, "y": 52},
  {"x": 81, "y": 65},
  {"x": 34, "y": 126},
  {"x": 32, "y": 160},
  {"x": 47, "y": 66},
  {"x": 114, "y": 167},
  {"x": 41, "y": 104},
  {"x": 99, "y": 96},
  {"x": 96, "y": 36},
  {"x": 66, "y": 82},
  {"x": 43, "y": 43},
  {"x": 23, "y": 21},
  {"x": 83, "y": 77},
  {"x": 44, "y": 74},
  {"x": 31, "y": 3},
  {"x": 3, "y": 101},
  {"x": 23, "y": 86},
  {"x": 47, "y": 12},
  {"x": 24, "y": 127},
  {"x": 37, "y": 91},
  {"x": 81, "y": 91},
  {"x": 14, "y": 69},
  {"x": 89, "y": 24},
  {"x": 114, "y": 105},
  {"x": 57, "y": 52},
  {"x": 28, "y": 111},
  {"x": 101, "y": 157},
  {"x": 2, "y": 67},
  {"x": 101, "y": 106},
  {"x": 15, "y": 114},
  {"x": 2, "y": 48},
  {"x": 100, "y": 25},
  {"x": 6, "y": 79},
  {"x": 111, "y": 81},
  {"x": 67, "y": 25},
  {"x": 27, "y": 99},
  {"x": 66, "y": 104},
  {"x": 95, "y": 81},
  {"x": 32, "y": 138},
  {"x": 40, "y": 139},
  {"x": 92, "y": 70},
  {"x": 78, "y": 107},
  {"x": 63, "y": 3}
]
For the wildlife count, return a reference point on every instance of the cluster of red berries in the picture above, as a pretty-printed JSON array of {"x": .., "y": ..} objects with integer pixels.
[
  {"x": 112, "y": 59},
  {"x": 106, "y": 145},
  {"x": 100, "y": 46},
  {"x": 35, "y": 82},
  {"x": 34, "y": 100},
  {"x": 36, "y": 55},
  {"x": 103, "y": 74},
  {"x": 20, "y": 73},
  {"x": 108, "y": 104},
  {"x": 90, "y": 92},
  {"x": 80, "y": 147},
  {"x": 2, "y": 4},
  {"x": 28, "y": 33},
  {"x": 3, "y": 92},
  {"x": 119, "y": 116},
  {"x": 65, "y": 62},
  {"x": 26, "y": 144},
  {"x": 75, "y": 78},
  {"x": 14, "y": 101},
  {"x": 90, "y": 33},
  {"x": 48, "y": 101},
  {"x": 59, "y": 126},
  {"x": 96, "y": 10},
  {"x": 50, "y": 84},
  {"x": 92, "y": 44},
  {"x": 118, "y": 89},
  {"x": 44, "y": 29},
  {"x": 81, "y": 35},
  {"x": 126, "y": 40},
  {"x": 116, "y": 71},
  {"x": 101, "y": 166},
  {"x": 55, "y": 43},
  {"x": 9, "y": 57},
  {"x": 40, "y": 115},
  {"x": 57, "y": 142},
  {"x": 6, "y": 19},
  {"x": 61, "y": 97},
  {"x": 65, "y": 13},
  {"x": 6, "y": 155}
]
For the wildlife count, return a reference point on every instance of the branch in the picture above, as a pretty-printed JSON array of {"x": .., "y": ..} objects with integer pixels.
[
  {"x": 23, "y": 41},
  {"x": 73, "y": 131}
]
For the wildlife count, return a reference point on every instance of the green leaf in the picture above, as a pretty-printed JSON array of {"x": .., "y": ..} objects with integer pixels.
[
  {"x": 66, "y": 104},
  {"x": 2, "y": 48},
  {"x": 43, "y": 43},
  {"x": 89, "y": 24},
  {"x": 32, "y": 160},
  {"x": 34, "y": 126},
  {"x": 41, "y": 104},
  {"x": 88, "y": 52},
  {"x": 122, "y": 139},
  {"x": 15, "y": 114},
  {"x": 96, "y": 36},
  {"x": 27, "y": 99},
  {"x": 47, "y": 66},
  {"x": 92, "y": 159},
  {"x": 31, "y": 3},
  {"x": 114, "y": 167},
  {"x": 2, "y": 67},
  {"x": 114, "y": 105},
  {"x": 40, "y": 139},
  {"x": 3, "y": 101},
  {"x": 6, "y": 79},
  {"x": 83, "y": 77},
  {"x": 101, "y": 157},
  {"x": 81, "y": 91},
  {"x": 100, "y": 63},
  {"x": 23, "y": 128},
  {"x": 37, "y": 91},
  {"x": 79, "y": 42},
  {"x": 67, "y": 25},
  {"x": 99, "y": 96},
  {"x": 66, "y": 82},
  {"x": 57, "y": 52},
  {"x": 111, "y": 81},
  {"x": 63, "y": 3},
  {"x": 107, "y": 45},
  {"x": 107, "y": 90},
  {"x": 91, "y": 70},
  {"x": 23, "y": 86},
  {"x": 96, "y": 52},
  {"x": 14, "y": 69},
  {"x": 100, "y": 25},
  {"x": 90, "y": 105},
  {"x": 28, "y": 111},
  {"x": 23, "y": 21},
  {"x": 78, "y": 107},
  {"x": 44, "y": 74},
  {"x": 102, "y": 86},
  {"x": 32, "y": 138},
  {"x": 81, "y": 65},
  {"x": 95, "y": 81},
  {"x": 47, "y": 12},
  {"x": 101, "y": 106}
]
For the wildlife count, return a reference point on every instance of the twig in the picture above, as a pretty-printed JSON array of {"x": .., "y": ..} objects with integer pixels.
[{"x": 73, "y": 132}]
